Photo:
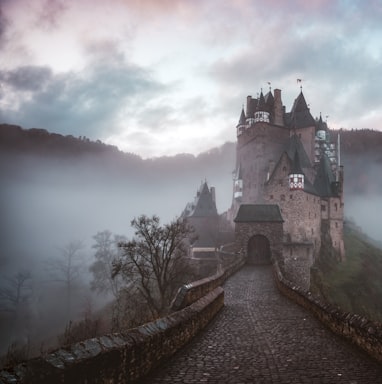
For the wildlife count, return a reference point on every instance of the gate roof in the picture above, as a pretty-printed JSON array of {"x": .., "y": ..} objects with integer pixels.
[{"x": 249, "y": 213}]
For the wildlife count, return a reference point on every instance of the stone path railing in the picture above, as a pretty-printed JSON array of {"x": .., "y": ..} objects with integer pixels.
[
  {"x": 125, "y": 357},
  {"x": 365, "y": 333}
]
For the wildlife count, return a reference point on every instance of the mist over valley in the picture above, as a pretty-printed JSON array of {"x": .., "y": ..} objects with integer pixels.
[{"x": 57, "y": 191}]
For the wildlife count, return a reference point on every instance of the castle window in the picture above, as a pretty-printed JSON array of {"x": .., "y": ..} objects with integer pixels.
[
  {"x": 271, "y": 197},
  {"x": 323, "y": 208},
  {"x": 312, "y": 231},
  {"x": 281, "y": 183},
  {"x": 282, "y": 197},
  {"x": 290, "y": 197},
  {"x": 336, "y": 206},
  {"x": 336, "y": 225}
]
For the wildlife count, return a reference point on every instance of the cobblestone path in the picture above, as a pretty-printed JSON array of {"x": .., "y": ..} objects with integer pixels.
[{"x": 262, "y": 337}]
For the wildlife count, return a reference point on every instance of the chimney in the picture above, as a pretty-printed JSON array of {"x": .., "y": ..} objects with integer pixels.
[
  {"x": 249, "y": 110},
  {"x": 278, "y": 110}
]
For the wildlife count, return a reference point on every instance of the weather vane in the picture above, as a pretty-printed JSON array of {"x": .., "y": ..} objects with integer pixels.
[{"x": 300, "y": 81}]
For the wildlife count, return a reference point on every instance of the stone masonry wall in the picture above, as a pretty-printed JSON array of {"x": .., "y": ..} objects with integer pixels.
[
  {"x": 125, "y": 357},
  {"x": 364, "y": 333},
  {"x": 297, "y": 262},
  {"x": 192, "y": 292},
  {"x": 255, "y": 148},
  {"x": 272, "y": 231},
  {"x": 119, "y": 358},
  {"x": 300, "y": 210}
]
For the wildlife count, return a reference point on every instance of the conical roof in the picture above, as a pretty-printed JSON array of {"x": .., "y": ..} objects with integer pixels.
[
  {"x": 300, "y": 116},
  {"x": 242, "y": 118},
  {"x": 261, "y": 103},
  {"x": 204, "y": 204},
  {"x": 321, "y": 125},
  {"x": 299, "y": 104},
  {"x": 324, "y": 178}
]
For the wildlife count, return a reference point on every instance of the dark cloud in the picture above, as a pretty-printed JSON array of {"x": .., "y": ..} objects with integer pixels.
[
  {"x": 86, "y": 103},
  {"x": 336, "y": 71},
  {"x": 26, "y": 78}
]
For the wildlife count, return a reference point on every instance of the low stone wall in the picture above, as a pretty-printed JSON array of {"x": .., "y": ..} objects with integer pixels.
[
  {"x": 364, "y": 333},
  {"x": 120, "y": 358},
  {"x": 189, "y": 293}
]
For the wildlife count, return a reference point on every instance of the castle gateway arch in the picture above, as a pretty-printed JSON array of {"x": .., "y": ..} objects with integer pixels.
[
  {"x": 258, "y": 250},
  {"x": 259, "y": 232}
]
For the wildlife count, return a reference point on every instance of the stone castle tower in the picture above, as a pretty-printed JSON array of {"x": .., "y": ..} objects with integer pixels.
[{"x": 288, "y": 181}]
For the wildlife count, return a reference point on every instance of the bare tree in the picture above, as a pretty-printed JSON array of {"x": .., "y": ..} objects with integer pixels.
[
  {"x": 102, "y": 269},
  {"x": 16, "y": 292},
  {"x": 66, "y": 269},
  {"x": 15, "y": 297},
  {"x": 156, "y": 259}
]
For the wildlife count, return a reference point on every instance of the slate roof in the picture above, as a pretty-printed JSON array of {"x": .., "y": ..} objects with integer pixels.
[
  {"x": 257, "y": 213},
  {"x": 242, "y": 118},
  {"x": 321, "y": 125},
  {"x": 324, "y": 178},
  {"x": 203, "y": 205},
  {"x": 296, "y": 166},
  {"x": 269, "y": 99},
  {"x": 261, "y": 103},
  {"x": 300, "y": 116},
  {"x": 294, "y": 146}
]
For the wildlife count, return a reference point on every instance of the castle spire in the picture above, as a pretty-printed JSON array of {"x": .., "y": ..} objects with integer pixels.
[
  {"x": 261, "y": 114},
  {"x": 261, "y": 102},
  {"x": 242, "y": 117},
  {"x": 240, "y": 127}
]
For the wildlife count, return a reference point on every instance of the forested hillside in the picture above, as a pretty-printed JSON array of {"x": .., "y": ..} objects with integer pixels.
[{"x": 60, "y": 190}]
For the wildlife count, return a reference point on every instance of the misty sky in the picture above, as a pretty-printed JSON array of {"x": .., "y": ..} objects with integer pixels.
[{"x": 160, "y": 77}]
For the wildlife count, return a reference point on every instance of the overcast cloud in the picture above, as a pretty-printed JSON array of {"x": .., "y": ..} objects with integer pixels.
[{"x": 164, "y": 77}]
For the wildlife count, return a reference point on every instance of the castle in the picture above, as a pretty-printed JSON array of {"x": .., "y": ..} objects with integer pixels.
[{"x": 287, "y": 186}]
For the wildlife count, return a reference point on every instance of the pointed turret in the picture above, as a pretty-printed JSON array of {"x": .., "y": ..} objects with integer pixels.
[
  {"x": 261, "y": 114},
  {"x": 269, "y": 102},
  {"x": 325, "y": 182},
  {"x": 240, "y": 128},
  {"x": 300, "y": 116},
  {"x": 261, "y": 103},
  {"x": 242, "y": 118},
  {"x": 299, "y": 104},
  {"x": 204, "y": 204}
]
